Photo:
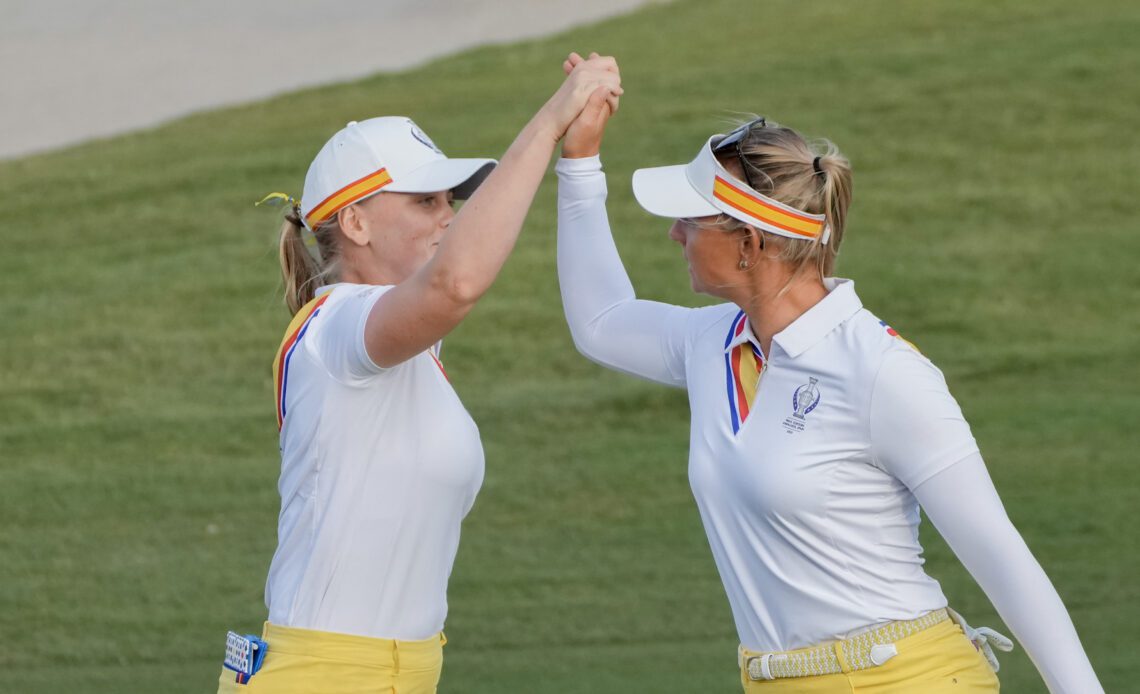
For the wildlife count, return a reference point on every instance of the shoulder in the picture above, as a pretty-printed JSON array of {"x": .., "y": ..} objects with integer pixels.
[
  {"x": 880, "y": 343},
  {"x": 349, "y": 299},
  {"x": 712, "y": 322},
  {"x": 901, "y": 372},
  {"x": 338, "y": 330},
  {"x": 881, "y": 365},
  {"x": 347, "y": 292}
]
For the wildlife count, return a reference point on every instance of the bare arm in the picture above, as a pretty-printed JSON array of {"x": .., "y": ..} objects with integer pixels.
[{"x": 424, "y": 308}]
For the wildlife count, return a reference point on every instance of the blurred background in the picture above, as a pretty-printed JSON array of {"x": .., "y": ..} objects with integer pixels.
[
  {"x": 994, "y": 225},
  {"x": 71, "y": 70}
]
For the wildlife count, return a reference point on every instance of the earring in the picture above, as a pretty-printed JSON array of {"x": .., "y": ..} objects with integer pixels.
[{"x": 743, "y": 264}]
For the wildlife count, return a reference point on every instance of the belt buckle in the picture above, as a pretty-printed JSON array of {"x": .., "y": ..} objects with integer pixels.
[{"x": 759, "y": 667}]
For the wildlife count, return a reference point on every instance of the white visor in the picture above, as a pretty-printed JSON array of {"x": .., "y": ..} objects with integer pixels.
[{"x": 703, "y": 188}]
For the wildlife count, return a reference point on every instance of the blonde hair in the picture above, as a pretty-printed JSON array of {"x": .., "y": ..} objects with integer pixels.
[
  {"x": 782, "y": 165},
  {"x": 301, "y": 272}
]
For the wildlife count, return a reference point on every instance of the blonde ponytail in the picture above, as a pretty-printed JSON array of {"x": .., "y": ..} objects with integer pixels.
[
  {"x": 301, "y": 272},
  {"x": 835, "y": 171}
]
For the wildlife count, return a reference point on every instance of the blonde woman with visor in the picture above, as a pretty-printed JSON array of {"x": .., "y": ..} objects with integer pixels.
[
  {"x": 816, "y": 431},
  {"x": 380, "y": 461}
]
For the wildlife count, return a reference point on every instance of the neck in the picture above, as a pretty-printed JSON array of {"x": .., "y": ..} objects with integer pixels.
[
  {"x": 361, "y": 276},
  {"x": 357, "y": 267},
  {"x": 769, "y": 311}
]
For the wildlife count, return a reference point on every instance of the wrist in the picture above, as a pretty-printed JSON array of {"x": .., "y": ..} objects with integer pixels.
[
  {"x": 545, "y": 125},
  {"x": 580, "y": 151}
]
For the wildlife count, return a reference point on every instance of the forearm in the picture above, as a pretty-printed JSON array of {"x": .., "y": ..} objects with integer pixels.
[
  {"x": 963, "y": 504},
  {"x": 590, "y": 272},
  {"x": 485, "y": 230},
  {"x": 607, "y": 323},
  {"x": 426, "y": 306}
]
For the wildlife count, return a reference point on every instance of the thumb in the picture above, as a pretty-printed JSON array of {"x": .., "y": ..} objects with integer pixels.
[{"x": 597, "y": 104}]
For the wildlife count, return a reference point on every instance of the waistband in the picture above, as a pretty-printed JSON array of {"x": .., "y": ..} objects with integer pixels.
[
  {"x": 868, "y": 649},
  {"x": 362, "y": 650}
]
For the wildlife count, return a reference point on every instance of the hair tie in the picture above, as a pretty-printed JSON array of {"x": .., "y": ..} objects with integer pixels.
[
  {"x": 280, "y": 200},
  {"x": 815, "y": 165}
]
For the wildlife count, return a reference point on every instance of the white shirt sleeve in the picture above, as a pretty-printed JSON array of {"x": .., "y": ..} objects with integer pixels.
[
  {"x": 339, "y": 342},
  {"x": 608, "y": 323},
  {"x": 917, "y": 429},
  {"x": 962, "y": 503}
]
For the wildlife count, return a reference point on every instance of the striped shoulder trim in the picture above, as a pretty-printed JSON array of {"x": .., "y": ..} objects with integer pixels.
[{"x": 293, "y": 336}]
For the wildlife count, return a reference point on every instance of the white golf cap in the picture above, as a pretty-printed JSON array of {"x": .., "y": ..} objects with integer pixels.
[
  {"x": 703, "y": 188},
  {"x": 390, "y": 154}
]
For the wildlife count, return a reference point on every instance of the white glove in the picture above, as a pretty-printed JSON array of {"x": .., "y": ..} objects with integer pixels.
[{"x": 983, "y": 638}]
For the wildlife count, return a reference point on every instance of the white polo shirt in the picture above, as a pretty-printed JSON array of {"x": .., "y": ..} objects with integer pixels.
[
  {"x": 801, "y": 461},
  {"x": 378, "y": 468},
  {"x": 805, "y": 491}
]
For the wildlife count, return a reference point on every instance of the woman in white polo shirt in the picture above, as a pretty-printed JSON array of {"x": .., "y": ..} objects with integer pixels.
[
  {"x": 816, "y": 430},
  {"x": 380, "y": 461}
]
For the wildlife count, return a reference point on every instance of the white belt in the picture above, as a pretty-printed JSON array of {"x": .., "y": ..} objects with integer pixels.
[{"x": 866, "y": 650}]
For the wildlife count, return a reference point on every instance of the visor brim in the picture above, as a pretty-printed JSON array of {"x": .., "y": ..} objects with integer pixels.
[
  {"x": 665, "y": 191},
  {"x": 462, "y": 176}
]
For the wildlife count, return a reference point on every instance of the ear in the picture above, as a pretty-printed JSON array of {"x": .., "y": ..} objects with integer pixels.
[
  {"x": 750, "y": 244},
  {"x": 352, "y": 224}
]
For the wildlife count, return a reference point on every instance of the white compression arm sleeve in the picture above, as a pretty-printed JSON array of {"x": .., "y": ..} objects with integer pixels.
[
  {"x": 962, "y": 503},
  {"x": 608, "y": 324}
]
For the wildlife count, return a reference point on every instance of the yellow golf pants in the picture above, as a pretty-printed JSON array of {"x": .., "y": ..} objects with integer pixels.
[{"x": 300, "y": 661}]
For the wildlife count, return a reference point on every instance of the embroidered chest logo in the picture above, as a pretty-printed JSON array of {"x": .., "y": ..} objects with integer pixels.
[{"x": 804, "y": 400}]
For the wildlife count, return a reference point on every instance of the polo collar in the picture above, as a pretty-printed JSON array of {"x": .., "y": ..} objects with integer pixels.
[
  {"x": 740, "y": 331},
  {"x": 840, "y": 304}
]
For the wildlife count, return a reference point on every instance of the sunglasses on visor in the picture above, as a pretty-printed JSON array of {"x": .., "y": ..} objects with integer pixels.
[{"x": 734, "y": 138}]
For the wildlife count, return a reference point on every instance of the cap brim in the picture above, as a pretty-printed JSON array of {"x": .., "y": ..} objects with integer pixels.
[
  {"x": 462, "y": 176},
  {"x": 666, "y": 192}
]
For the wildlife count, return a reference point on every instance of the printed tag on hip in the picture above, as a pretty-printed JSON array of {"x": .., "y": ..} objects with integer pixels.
[{"x": 244, "y": 654}]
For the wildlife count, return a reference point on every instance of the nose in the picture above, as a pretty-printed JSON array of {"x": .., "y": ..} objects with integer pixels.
[
  {"x": 677, "y": 233},
  {"x": 448, "y": 216}
]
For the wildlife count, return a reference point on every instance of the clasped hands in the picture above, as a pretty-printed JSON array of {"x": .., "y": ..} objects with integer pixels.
[{"x": 585, "y": 102}]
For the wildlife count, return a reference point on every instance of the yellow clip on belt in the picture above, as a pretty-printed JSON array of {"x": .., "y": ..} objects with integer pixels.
[{"x": 825, "y": 658}]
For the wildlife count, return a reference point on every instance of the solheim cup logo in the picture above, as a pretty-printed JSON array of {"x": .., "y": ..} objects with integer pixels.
[
  {"x": 422, "y": 137},
  {"x": 805, "y": 399}
]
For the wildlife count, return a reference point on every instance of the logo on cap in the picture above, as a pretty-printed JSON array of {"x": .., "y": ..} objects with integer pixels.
[{"x": 422, "y": 137}]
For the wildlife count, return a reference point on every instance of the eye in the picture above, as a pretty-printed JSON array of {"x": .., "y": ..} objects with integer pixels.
[{"x": 428, "y": 201}]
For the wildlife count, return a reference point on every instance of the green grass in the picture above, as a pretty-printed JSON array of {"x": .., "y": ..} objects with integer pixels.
[{"x": 994, "y": 224}]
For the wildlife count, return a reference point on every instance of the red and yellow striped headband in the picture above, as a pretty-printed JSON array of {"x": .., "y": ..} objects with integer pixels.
[
  {"x": 346, "y": 196},
  {"x": 789, "y": 221},
  {"x": 738, "y": 200}
]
